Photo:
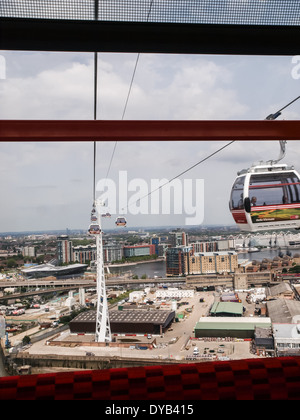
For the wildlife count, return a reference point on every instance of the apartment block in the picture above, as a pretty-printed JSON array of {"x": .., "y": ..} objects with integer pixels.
[
  {"x": 184, "y": 261},
  {"x": 64, "y": 249},
  {"x": 84, "y": 254}
]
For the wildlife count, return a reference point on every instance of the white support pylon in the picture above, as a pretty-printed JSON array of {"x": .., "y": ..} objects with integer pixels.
[{"x": 103, "y": 332}]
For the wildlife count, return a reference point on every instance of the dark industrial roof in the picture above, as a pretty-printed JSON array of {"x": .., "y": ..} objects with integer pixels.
[
  {"x": 128, "y": 316},
  {"x": 139, "y": 316}
]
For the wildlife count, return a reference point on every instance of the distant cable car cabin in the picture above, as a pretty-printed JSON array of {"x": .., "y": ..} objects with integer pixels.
[
  {"x": 266, "y": 197},
  {"x": 94, "y": 217},
  {"x": 121, "y": 221},
  {"x": 94, "y": 229}
]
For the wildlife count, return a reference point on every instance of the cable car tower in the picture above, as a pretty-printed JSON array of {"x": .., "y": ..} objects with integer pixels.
[{"x": 103, "y": 331}]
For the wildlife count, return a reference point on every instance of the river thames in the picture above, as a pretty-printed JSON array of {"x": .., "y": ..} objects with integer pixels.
[{"x": 158, "y": 268}]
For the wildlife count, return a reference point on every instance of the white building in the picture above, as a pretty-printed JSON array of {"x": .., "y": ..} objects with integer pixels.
[
  {"x": 29, "y": 251},
  {"x": 82, "y": 297},
  {"x": 136, "y": 296},
  {"x": 174, "y": 293},
  {"x": 287, "y": 339},
  {"x": 70, "y": 301}
]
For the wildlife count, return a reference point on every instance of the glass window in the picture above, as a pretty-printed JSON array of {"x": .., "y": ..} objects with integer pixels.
[
  {"x": 274, "y": 189},
  {"x": 237, "y": 194}
]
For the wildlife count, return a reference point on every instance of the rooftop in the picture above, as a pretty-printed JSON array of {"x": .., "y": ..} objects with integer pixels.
[
  {"x": 139, "y": 316},
  {"x": 212, "y": 254},
  {"x": 52, "y": 268},
  {"x": 232, "y": 323},
  {"x": 128, "y": 316},
  {"x": 234, "y": 308},
  {"x": 283, "y": 310},
  {"x": 278, "y": 289},
  {"x": 286, "y": 331}
]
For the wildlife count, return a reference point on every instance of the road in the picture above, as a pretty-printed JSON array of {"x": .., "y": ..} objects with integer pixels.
[
  {"x": 111, "y": 281},
  {"x": 40, "y": 287}
]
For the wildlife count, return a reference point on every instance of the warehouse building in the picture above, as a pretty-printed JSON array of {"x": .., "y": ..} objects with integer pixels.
[
  {"x": 173, "y": 292},
  {"x": 283, "y": 311},
  {"x": 183, "y": 261},
  {"x": 230, "y": 327},
  {"x": 227, "y": 309},
  {"x": 230, "y": 297},
  {"x": 125, "y": 322},
  {"x": 264, "y": 341},
  {"x": 281, "y": 290}
]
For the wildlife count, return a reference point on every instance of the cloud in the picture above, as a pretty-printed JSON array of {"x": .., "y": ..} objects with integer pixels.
[{"x": 49, "y": 185}]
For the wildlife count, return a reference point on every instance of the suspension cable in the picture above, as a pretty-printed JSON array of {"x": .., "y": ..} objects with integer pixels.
[
  {"x": 129, "y": 92},
  {"x": 207, "y": 157},
  {"x": 96, "y": 11},
  {"x": 182, "y": 173}
]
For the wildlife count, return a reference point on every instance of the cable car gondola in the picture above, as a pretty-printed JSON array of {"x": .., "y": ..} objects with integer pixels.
[
  {"x": 266, "y": 197},
  {"x": 121, "y": 221},
  {"x": 94, "y": 229},
  {"x": 94, "y": 217}
]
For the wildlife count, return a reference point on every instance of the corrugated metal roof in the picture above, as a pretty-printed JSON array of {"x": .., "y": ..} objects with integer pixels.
[
  {"x": 283, "y": 310},
  {"x": 278, "y": 289},
  {"x": 128, "y": 316},
  {"x": 232, "y": 323},
  {"x": 234, "y": 308}
]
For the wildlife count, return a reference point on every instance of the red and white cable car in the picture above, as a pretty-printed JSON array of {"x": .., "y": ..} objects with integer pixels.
[
  {"x": 94, "y": 229},
  {"x": 266, "y": 197},
  {"x": 121, "y": 221}
]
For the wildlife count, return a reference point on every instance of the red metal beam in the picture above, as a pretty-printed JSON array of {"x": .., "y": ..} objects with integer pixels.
[
  {"x": 12, "y": 130},
  {"x": 264, "y": 379}
]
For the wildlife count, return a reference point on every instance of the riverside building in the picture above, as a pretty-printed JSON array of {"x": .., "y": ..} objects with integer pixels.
[{"x": 183, "y": 261}]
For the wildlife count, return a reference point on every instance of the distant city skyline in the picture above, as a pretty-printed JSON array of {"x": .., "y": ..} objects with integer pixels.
[{"x": 48, "y": 186}]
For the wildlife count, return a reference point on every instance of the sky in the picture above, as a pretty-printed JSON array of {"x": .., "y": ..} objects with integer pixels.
[{"x": 48, "y": 186}]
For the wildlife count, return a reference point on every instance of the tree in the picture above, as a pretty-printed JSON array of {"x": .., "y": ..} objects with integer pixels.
[
  {"x": 40, "y": 259},
  {"x": 26, "y": 340},
  {"x": 11, "y": 263},
  {"x": 295, "y": 269}
]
